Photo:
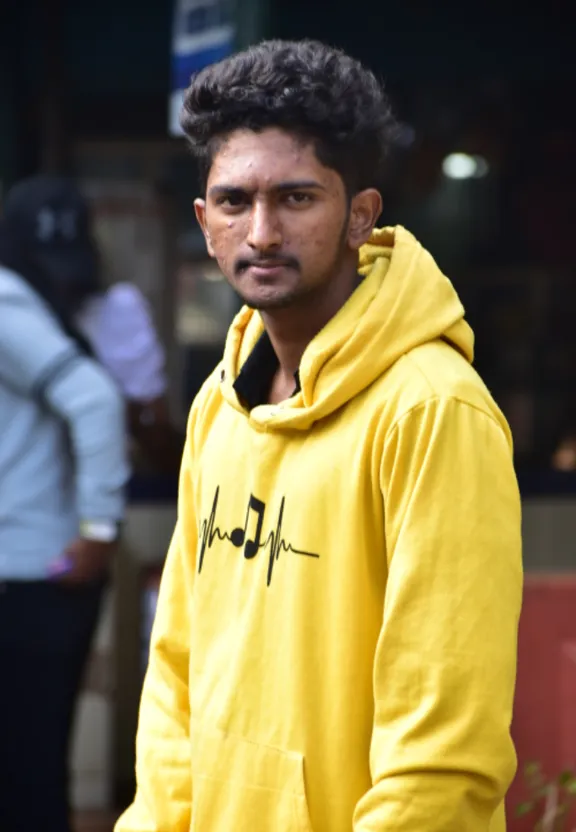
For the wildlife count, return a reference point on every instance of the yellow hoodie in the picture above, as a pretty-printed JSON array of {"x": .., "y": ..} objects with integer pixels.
[{"x": 335, "y": 642}]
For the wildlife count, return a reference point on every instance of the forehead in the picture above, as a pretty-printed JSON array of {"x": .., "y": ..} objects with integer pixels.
[{"x": 247, "y": 159}]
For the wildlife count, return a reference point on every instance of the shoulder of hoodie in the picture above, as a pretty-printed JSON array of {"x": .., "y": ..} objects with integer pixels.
[
  {"x": 437, "y": 371},
  {"x": 206, "y": 402}
]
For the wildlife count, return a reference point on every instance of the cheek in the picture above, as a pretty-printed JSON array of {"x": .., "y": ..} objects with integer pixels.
[
  {"x": 226, "y": 240},
  {"x": 223, "y": 255},
  {"x": 315, "y": 243},
  {"x": 225, "y": 235}
]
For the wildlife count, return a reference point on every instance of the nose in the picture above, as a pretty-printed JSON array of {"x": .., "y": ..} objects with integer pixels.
[{"x": 264, "y": 233}]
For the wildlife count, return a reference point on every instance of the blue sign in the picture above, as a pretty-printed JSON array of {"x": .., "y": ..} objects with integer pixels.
[{"x": 203, "y": 33}]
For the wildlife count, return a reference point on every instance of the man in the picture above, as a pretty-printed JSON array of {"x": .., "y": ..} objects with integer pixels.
[
  {"x": 62, "y": 471},
  {"x": 119, "y": 326},
  {"x": 335, "y": 642}
]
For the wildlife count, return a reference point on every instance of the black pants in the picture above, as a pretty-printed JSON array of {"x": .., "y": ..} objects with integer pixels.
[{"x": 45, "y": 636}]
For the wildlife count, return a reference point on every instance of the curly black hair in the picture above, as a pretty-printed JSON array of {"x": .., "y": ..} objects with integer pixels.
[{"x": 312, "y": 90}]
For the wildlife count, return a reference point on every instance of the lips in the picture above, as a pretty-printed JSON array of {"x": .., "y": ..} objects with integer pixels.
[
  {"x": 267, "y": 268},
  {"x": 269, "y": 264}
]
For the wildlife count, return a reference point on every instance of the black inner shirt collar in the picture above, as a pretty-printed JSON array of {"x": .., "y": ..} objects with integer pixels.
[{"x": 254, "y": 380}]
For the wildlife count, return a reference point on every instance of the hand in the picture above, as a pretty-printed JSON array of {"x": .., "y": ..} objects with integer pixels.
[{"x": 83, "y": 562}]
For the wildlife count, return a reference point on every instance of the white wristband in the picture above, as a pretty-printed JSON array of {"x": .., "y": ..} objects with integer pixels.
[{"x": 101, "y": 531}]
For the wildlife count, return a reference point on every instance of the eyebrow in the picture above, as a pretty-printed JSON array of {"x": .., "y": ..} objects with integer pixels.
[{"x": 280, "y": 187}]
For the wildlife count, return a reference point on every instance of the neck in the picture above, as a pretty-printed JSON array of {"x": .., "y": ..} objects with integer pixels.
[{"x": 290, "y": 330}]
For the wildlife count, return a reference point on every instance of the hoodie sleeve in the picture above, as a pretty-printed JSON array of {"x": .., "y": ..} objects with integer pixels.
[
  {"x": 163, "y": 773},
  {"x": 37, "y": 359},
  {"x": 441, "y": 754}
]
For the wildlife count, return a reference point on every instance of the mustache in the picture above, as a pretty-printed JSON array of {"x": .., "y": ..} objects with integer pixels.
[{"x": 274, "y": 260}]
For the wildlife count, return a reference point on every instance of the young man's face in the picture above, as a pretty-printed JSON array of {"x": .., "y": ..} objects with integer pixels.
[{"x": 277, "y": 221}]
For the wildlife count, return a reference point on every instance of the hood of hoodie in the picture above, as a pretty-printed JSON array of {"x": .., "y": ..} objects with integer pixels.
[{"x": 404, "y": 301}]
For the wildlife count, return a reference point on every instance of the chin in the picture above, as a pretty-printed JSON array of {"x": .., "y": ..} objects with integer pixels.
[
  {"x": 269, "y": 303},
  {"x": 264, "y": 298},
  {"x": 267, "y": 294}
]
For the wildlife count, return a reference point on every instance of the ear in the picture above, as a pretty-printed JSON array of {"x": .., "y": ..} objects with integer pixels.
[
  {"x": 365, "y": 208},
  {"x": 200, "y": 210}
]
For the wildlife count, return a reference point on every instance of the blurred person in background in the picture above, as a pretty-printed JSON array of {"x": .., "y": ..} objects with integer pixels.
[
  {"x": 564, "y": 456},
  {"x": 119, "y": 327},
  {"x": 63, "y": 468}
]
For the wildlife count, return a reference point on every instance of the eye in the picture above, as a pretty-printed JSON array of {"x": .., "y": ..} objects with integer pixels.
[
  {"x": 231, "y": 201},
  {"x": 299, "y": 198}
]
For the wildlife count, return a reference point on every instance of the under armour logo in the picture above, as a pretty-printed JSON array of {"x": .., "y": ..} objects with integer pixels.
[{"x": 51, "y": 224}]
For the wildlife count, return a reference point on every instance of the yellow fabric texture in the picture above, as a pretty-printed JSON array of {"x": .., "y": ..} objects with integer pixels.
[{"x": 335, "y": 642}]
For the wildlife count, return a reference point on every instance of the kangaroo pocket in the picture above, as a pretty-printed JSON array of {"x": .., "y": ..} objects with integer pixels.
[{"x": 239, "y": 785}]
